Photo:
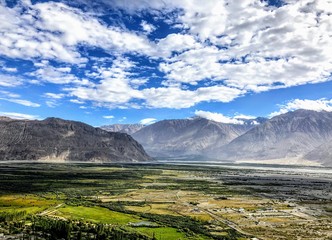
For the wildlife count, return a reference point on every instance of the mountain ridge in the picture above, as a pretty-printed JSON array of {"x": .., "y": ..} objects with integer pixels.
[
  {"x": 64, "y": 140},
  {"x": 186, "y": 137},
  {"x": 290, "y": 135}
]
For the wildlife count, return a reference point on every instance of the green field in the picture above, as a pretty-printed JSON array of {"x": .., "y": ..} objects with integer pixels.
[{"x": 96, "y": 214}]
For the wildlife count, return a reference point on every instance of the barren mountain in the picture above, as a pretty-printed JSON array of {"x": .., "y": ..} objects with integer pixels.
[
  {"x": 187, "y": 137},
  {"x": 290, "y": 135},
  {"x": 321, "y": 154},
  {"x": 124, "y": 128},
  {"x": 57, "y": 139}
]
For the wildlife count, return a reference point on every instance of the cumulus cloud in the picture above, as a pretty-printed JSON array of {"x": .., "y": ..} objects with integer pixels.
[
  {"x": 148, "y": 28},
  {"x": 55, "y": 95},
  {"x": 115, "y": 90},
  {"x": 255, "y": 47},
  {"x": 177, "y": 98},
  {"x": 176, "y": 42},
  {"x": 221, "y": 49},
  {"x": 217, "y": 117},
  {"x": 315, "y": 105},
  {"x": 148, "y": 121},
  {"x": 53, "y": 30},
  {"x": 56, "y": 75},
  {"x": 15, "y": 115},
  {"x": 9, "y": 81},
  {"x": 114, "y": 87}
]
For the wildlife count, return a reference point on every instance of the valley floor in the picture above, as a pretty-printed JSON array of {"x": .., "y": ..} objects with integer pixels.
[{"x": 164, "y": 201}]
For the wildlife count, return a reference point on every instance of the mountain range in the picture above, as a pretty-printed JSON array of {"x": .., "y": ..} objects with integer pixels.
[
  {"x": 187, "y": 137},
  {"x": 60, "y": 140},
  {"x": 300, "y": 136}
]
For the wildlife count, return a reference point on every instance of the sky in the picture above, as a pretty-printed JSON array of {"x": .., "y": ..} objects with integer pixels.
[{"x": 121, "y": 61}]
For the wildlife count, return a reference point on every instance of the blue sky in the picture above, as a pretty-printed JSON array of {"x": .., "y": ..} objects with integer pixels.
[{"x": 116, "y": 61}]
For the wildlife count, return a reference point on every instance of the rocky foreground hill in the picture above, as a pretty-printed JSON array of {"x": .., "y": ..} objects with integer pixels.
[{"x": 60, "y": 140}]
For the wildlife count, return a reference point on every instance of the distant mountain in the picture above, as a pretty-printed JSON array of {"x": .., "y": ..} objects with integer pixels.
[
  {"x": 124, "y": 128},
  {"x": 61, "y": 140},
  {"x": 298, "y": 134},
  {"x": 187, "y": 137},
  {"x": 321, "y": 154}
]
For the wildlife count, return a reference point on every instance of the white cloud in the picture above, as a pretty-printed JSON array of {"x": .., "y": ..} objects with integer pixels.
[
  {"x": 57, "y": 75},
  {"x": 53, "y": 99},
  {"x": 52, "y": 103},
  {"x": 148, "y": 28},
  {"x": 10, "y": 94},
  {"x": 242, "y": 116},
  {"x": 114, "y": 88},
  {"x": 21, "y": 102},
  {"x": 15, "y": 98},
  {"x": 217, "y": 117},
  {"x": 224, "y": 48},
  {"x": 173, "y": 97},
  {"x": 108, "y": 117},
  {"x": 7, "y": 69},
  {"x": 54, "y": 30},
  {"x": 148, "y": 121},
  {"x": 21, "y": 39},
  {"x": 15, "y": 115},
  {"x": 54, "y": 95},
  {"x": 76, "y": 101},
  {"x": 176, "y": 42},
  {"x": 9, "y": 81},
  {"x": 262, "y": 47},
  {"x": 315, "y": 105}
]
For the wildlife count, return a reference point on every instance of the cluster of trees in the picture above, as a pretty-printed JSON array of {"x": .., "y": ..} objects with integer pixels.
[
  {"x": 12, "y": 222},
  {"x": 45, "y": 228},
  {"x": 52, "y": 228},
  {"x": 12, "y": 216}
]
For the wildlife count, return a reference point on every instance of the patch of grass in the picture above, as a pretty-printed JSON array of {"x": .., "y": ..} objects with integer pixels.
[
  {"x": 30, "y": 204},
  {"x": 97, "y": 214},
  {"x": 163, "y": 209},
  {"x": 167, "y": 233},
  {"x": 29, "y": 210}
]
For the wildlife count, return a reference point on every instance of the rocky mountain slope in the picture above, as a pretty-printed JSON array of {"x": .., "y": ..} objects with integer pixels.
[
  {"x": 187, "y": 137},
  {"x": 124, "y": 128},
  {"x": 61, "y": 140},
  {"x": 298, "y": 134},
  {"x": 321, "y": 154}
]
